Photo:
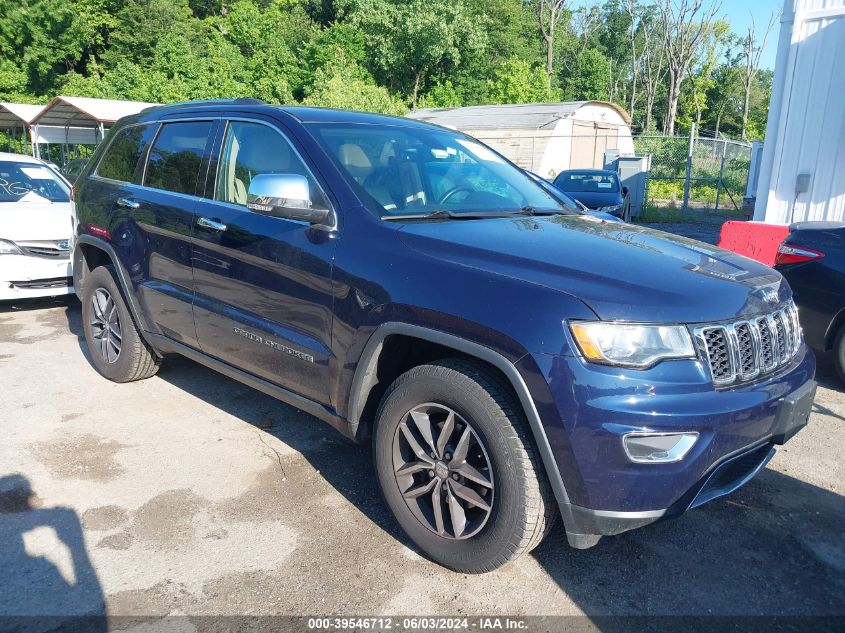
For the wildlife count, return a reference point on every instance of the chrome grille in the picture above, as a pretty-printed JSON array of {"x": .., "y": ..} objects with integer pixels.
[
  {"x": 49, "y": 250},
  {"x": 768, "y": 360},
  {"x": 718, "y": 349},
  {"x": 743, "y": 350}
]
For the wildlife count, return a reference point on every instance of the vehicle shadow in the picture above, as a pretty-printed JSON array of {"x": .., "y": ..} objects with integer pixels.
[
  {"x": 346, "y": 466},
  {"x": 45, "y": 573},
  {"x": 772, "y": 548},
  {"x": 30, "y": 305}
]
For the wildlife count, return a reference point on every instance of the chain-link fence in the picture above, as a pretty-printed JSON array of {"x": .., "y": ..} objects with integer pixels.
[
  {"x": 698, "y": 176},
  {"x": 707, "y": 174}
]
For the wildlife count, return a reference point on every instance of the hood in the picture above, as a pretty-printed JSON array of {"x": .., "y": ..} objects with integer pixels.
[
  {"x": 623, "y": 272},
  {"x": 594, "y": 200},
  {"x": 32, "y": 221}
]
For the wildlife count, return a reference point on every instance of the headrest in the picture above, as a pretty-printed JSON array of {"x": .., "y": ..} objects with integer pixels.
[{"x": 355, "y": 160}]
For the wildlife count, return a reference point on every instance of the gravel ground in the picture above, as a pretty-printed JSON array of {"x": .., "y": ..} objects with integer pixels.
[{"x": 191, "y": 494}]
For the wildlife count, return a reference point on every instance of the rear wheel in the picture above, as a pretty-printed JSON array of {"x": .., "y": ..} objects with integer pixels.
[
  {"x": 457, "y": 467},
  {"x": 115, "y": 346}
]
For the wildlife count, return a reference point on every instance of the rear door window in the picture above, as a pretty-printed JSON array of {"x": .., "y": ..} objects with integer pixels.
[
  {"x": 176, "y": 156},
  {"x": 123, "y": 154}
]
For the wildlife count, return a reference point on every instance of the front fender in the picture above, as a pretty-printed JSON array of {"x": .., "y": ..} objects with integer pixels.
[{"x": 365, "y": 378}]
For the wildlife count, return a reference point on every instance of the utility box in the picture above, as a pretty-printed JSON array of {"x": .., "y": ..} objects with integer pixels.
[{"x": 633, "y": 173}]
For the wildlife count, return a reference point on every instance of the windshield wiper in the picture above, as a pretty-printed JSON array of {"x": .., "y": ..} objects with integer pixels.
[
  {"x": 444, "y": 214},
  {"x": 529, "y": 210}
]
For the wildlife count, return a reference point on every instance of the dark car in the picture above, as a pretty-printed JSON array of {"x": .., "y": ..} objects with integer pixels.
[
  {"x": 568, "y": 201},
  {"x": 411, "y": 287},
  {"x": 597, "y": 189},
  {"x": 812, "y": 258}
]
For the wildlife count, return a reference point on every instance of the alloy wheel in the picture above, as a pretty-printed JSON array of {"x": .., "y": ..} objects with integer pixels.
[
  {"x": 105, "y": 325},
  {"x": 443, "y": 471}
]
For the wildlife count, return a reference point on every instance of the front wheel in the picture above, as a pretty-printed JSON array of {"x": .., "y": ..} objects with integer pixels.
[{"x": 457, "y": 467}]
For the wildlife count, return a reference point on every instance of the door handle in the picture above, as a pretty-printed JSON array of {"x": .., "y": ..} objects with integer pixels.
[
  {"x": 211, "y": 224},
  {"x": 126, "y": 202}
]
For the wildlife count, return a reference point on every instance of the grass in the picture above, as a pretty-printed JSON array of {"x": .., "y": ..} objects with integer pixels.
[
  {"x": 669, "y": 214},
  {"x": 673, "y": 214}
]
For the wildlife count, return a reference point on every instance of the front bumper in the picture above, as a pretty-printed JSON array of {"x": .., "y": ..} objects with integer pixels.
[
  {"x": 588, "y": 409},
  {"x": 23, "y": 277}
]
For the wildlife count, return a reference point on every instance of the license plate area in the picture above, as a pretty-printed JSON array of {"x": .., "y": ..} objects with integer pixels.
[{"x": 794, "y": 412}]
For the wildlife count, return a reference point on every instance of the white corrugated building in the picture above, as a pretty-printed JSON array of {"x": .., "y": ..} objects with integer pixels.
[
  {"x": 543, "y": 137},
  {"x": 802, "y": 170}
]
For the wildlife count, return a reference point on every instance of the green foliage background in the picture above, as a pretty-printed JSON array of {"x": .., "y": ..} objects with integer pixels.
[{"x": 378, "y": 55}]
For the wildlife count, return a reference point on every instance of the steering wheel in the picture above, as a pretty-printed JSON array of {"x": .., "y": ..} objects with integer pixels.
[{"x": 454, "y": 190}]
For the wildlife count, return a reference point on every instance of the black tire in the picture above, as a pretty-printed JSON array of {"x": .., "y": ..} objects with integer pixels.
[
  {"x": 133, "y": 359},
  {"x": 522, "y": 509},
  {"x": 839, "y": 353}
]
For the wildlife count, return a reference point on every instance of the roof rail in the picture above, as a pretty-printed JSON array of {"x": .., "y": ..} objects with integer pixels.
[{"x": 227, "y": 101}]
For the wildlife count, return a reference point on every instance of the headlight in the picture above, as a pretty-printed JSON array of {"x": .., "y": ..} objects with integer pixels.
[
  {"x": 9, "y": 248},
  {"x": 631, "y": 345},
  {"x": 611, "y": 209}
]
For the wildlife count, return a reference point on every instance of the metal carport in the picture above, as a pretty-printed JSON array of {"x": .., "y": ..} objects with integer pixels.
[
  {"x": 18, "y": 116},
  {"x": 79, "y": 120}
]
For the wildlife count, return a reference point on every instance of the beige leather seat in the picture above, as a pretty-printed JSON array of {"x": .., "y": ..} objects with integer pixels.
[{"x": 359, "y": 166}]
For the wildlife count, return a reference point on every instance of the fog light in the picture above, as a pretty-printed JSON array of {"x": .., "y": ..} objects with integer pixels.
[{"x": 658, "y": 448}]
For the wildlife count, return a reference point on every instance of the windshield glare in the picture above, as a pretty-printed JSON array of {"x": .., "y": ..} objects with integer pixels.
[
  {"x": 408, "y": 170},
  {"x": 18, "y": 179},
  {"x": 577, "y": 182}
]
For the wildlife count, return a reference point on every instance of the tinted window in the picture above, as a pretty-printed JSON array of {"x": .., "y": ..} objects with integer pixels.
[
  {"x": 123, "y": 154},
  {"x": 587, "y": 182},
  {"x": 176, "y": 155},
  {"x": 250, "y": 149},
  {"x": 401, "y": 169}
]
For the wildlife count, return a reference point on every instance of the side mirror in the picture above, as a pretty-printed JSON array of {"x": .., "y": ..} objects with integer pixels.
[
  {"x": 284, "y": 196},
  {"x": 624, "y": 191}
]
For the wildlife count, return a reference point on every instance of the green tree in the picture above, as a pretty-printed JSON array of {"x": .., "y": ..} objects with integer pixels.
[
  {"x": 412, "y": 41},
  {"x": 516, "y": 81},
  {"x": 589, "y": 77},
  {"x": 261, "y": 52},
  {"x": 346, "y": 85},
  {"x": 442, "y": 95},
  {"x": 141, "y": 24}
]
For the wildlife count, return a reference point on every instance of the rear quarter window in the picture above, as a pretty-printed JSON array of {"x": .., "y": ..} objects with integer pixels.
[{"x": 123, "y": 154}]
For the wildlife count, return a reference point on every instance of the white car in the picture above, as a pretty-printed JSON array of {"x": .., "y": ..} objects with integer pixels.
[{"x": 35, "y": 229}]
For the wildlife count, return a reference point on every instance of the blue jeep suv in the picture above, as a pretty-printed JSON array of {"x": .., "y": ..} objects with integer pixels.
[{"x": 411, "y": 287}]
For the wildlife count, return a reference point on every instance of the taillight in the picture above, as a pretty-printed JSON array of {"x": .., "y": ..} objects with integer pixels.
[{"x": 788, "y": 254}]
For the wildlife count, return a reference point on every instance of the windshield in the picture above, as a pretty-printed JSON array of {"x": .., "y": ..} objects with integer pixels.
[
  {"x": 409, "y": 170},
  {"x": 587, "y": 182},
  {"x": 18, "y": 179}
]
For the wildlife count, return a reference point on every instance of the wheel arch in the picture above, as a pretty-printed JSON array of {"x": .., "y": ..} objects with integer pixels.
[
  {"x": 836, "y": 323},
  {"x": 90, "y": 252},
  {"x": 366, "y": 380}
]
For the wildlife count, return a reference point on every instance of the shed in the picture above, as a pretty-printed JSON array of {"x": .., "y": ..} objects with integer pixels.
[
  {"x": 81, "y": 120},
  {"x": 802, "y": 168},
  {"x": 545, "y": 138}
]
